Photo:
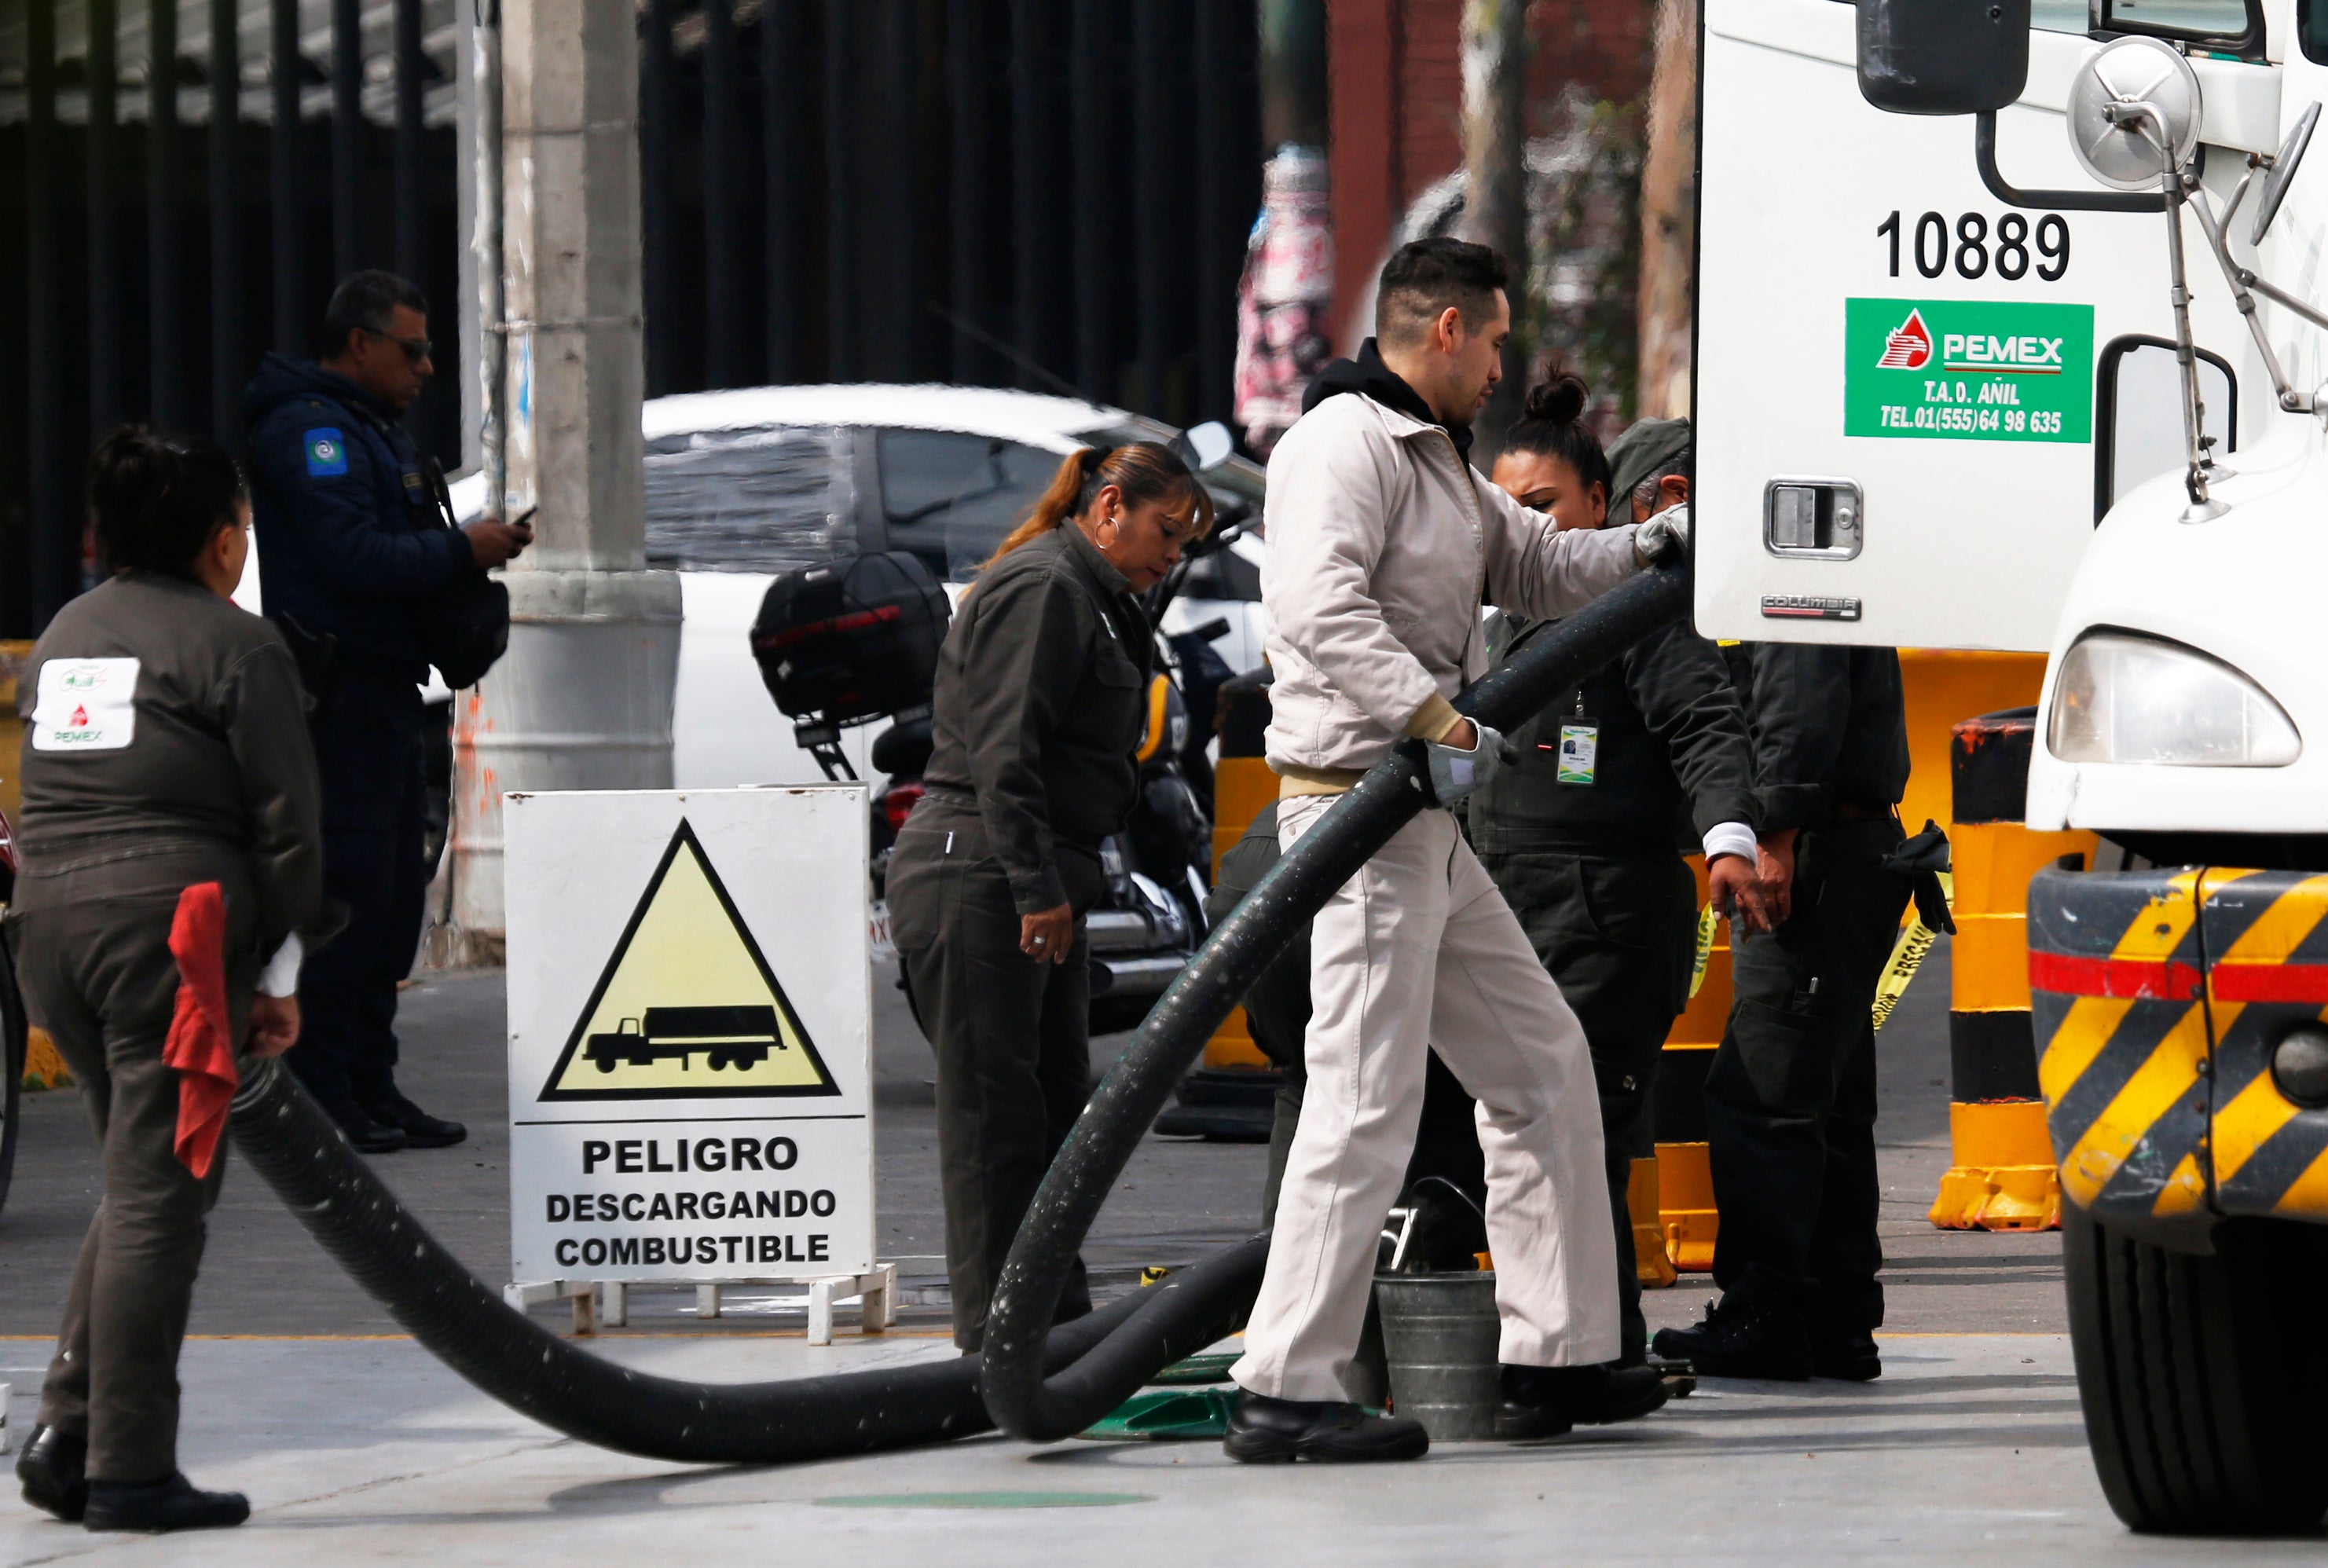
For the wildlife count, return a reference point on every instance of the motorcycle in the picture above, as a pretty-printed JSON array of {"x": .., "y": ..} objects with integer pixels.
[{"x": 843, "y": 645}]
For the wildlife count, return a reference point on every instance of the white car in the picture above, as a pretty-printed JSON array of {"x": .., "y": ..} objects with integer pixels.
[{"x": 746, "y": 484}]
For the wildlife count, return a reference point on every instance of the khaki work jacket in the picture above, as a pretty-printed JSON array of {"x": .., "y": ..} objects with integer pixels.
[{"x": 1383, "y": 543}]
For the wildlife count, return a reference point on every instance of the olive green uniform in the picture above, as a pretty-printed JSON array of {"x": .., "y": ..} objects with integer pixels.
[
  {"x": 1589, "y": 858},
  {"x": 194, "y": 768},
  {"x": 1037, "y": 715}
]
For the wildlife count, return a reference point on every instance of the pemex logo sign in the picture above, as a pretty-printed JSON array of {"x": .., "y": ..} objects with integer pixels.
[
  {"x": 1909, "y": 346},
  {"x": 1968, "y": 370}
]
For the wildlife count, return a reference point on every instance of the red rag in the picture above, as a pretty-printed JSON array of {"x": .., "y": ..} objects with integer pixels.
[{"x": 200, "y": 1047}]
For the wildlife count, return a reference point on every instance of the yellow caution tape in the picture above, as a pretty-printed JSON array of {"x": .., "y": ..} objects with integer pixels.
[
  {"x": 1706, "y": 930},
  {"x": 1908, "y": 956}
]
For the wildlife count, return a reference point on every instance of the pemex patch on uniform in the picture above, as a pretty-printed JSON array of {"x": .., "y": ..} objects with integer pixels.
[{"x": 687, "y": 1009}]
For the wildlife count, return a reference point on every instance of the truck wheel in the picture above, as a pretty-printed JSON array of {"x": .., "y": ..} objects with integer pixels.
[{"x": 2202, "y": 1379}]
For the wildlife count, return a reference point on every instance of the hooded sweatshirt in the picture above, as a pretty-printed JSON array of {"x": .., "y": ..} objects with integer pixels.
[
  {"x": 1383, "y": 543},
  {"x": 350, "y": 535}
]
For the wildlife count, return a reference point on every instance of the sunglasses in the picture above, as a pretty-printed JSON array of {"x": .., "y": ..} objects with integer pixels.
[{"x": 415, "y": 349}]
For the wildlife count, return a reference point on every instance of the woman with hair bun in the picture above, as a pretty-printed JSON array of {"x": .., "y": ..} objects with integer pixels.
[
  {"x": 172, "y": 868},
  {"x": 1647, "y": 760},
  {"x": 1550, "y": 461},
  {"x": 1041, "y": 702}
]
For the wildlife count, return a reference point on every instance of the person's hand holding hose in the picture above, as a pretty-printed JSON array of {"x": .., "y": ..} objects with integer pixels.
[
  {"x": 1466, "y": 757},
  {"x": 1664, "y": 537},
  {"x": 1048, "y": 934},
  {"x": 274, "y": 1024}
]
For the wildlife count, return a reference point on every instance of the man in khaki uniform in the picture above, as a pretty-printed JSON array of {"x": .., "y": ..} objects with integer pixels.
[{"x": 1384, "y": 541}]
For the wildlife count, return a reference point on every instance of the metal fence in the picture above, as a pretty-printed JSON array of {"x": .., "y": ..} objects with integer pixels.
[
  {"x": 1045, "y": 193},
  {"x": 173, "y": 230},
  {"x": 1052, "y": 194}
]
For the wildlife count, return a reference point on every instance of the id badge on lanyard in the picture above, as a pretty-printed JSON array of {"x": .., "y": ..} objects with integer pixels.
[{"x": 1578, "y": 753}]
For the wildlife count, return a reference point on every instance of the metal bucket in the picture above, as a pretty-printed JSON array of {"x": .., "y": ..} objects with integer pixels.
[{"x": 1440, "y": 1333}]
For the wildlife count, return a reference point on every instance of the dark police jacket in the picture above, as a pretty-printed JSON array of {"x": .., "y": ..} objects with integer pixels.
[
  {"x": 350, "y": 532},
  {"x": 1672, "y": 735},
  {"x": 160, "y": 719},
  {"x": 1040, "y": 702},
  {"x": 1830, "y": 728}
]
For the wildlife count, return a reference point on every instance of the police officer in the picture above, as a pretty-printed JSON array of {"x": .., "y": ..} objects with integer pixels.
[
  {"x": 1040, "y": 702},
  {"x": 355, "y": 548},
  {"x": 1790, "y": 1097},
  {"x": 170, "y": 803},
  {"x": 1582, "y": 835}
]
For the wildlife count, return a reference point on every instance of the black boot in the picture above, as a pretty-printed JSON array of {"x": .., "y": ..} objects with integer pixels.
[
  {"x": 157, "y": 1505},
  {"x": 1849, "y": 1354},
  {"x": 52, "y": 1468},
  {"x": 1264, "y": 1430},
  {"x": 420, "y": 1129},
  {"x": 1542, "y": 1401},
  {"x": 369, "y": 1135},
  {"x": 1742, "y": 1338}
]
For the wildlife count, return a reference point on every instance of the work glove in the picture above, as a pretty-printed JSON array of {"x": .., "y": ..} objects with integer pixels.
[
  {"x": 1455, "y": 773},
  {"x": 1664, "y": 537}
]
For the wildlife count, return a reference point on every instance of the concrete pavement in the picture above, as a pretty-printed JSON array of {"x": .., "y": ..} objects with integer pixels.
[
  {"x": 357, "y": 1446},
  {"x": 361, "y": 1452}
]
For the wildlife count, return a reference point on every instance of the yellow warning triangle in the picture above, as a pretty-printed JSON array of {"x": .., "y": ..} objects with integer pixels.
[{"x": 687, "y": 1009}]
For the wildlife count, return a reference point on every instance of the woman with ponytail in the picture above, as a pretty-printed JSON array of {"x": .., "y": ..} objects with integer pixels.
[
  {"x": 1041, "y": 703},
  {"x": 172, "y": 865},
  {"x": 1580, "y": 837}
]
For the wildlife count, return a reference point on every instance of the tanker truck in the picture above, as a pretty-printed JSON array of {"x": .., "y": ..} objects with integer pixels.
[{"x": 2009, "y": 337}]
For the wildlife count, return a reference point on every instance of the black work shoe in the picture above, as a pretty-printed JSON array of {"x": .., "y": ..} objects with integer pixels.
[
  {"x": 157, "y": 1505},
  {"x": 1742, "y": 1338},
  {"x": 1848, "y": 1354},
  {"x": 420, "y": 1129},
  {"x": 52, "y": 1468},
  {"x": 1542, "y": 1401},
  {"x": 1264, "y": 1430},
  {"x": 368, "y": 1135}
]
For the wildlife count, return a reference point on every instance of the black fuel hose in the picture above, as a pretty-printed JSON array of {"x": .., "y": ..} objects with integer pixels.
[
  {"x": 302, "y": 1156},
  {"x": 1027, "y": 1399}
]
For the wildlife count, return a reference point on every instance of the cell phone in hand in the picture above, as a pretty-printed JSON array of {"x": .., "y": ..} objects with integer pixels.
[{"x": 524, "y": 520}]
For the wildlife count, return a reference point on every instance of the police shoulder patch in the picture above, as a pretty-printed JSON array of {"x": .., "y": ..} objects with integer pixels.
[{"x": 327, "y": 451}]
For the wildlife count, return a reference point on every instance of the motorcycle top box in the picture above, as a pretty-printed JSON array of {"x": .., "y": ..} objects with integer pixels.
[{"x": 852, "y": 640}]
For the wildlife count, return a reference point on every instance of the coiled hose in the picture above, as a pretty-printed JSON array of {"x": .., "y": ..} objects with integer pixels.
[
  {"x": 1026, "y": 1398},
  {"x": 301, "y": 1153},
  {"x": 1041, "y": 1384}
]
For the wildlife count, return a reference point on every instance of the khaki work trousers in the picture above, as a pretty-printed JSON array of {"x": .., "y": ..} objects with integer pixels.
[{"x": 1419, "y": 949}]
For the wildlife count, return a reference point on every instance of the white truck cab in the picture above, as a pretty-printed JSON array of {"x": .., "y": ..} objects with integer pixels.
[{"x": 2010, "y": 335}]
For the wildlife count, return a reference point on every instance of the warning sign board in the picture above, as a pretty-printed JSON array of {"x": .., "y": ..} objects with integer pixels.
[
  {"x": 690, "y": 1032},
  {"x": 686, "y": 1008}
]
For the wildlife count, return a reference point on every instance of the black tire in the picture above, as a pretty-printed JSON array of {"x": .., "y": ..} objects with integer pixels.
[
  {"x": 13, "y": 1045},
  {"x": 2202, "y": 1378}
]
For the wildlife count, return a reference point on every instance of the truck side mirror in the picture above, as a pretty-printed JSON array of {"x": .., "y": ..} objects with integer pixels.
[
  {"x": 1943, "y": 57},
  {"x": 2283, "y": 171}
]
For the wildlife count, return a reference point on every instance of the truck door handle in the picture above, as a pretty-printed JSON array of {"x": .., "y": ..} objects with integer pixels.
[{"x": 1812, "y": 518}]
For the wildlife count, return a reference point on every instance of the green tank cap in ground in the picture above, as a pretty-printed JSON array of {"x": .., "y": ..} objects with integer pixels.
[
  {"x": 1209, "y": 1368},
  {"x": 1194, "y": 1415}
]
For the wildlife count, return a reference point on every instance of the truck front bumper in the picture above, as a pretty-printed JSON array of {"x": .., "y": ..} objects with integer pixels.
[{"x": 2158, "y": 998}]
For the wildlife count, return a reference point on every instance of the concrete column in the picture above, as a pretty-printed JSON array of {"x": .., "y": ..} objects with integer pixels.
[{"x": 583, "y": 699}]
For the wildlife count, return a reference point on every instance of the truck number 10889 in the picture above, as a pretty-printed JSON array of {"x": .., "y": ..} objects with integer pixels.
[{"x": 1973, "y": 252}]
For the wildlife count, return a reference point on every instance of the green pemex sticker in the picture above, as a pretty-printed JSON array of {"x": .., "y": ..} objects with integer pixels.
[{"x": 1968, "y": 370}]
